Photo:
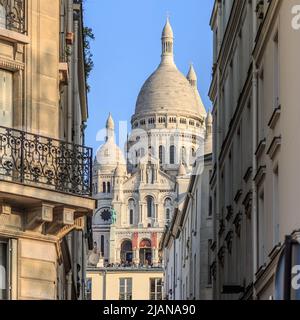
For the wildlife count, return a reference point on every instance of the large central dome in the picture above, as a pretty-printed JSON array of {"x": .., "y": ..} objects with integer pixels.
[{"x": 167, "y": 90}]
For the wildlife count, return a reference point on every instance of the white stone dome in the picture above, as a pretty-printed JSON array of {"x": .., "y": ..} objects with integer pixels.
[
  {"x": 110, "y": 154},
  {"x": 167, "y": 90}
]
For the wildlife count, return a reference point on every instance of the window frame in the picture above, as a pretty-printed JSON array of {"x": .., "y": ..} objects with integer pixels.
[
  {"x": 153, "y": 295},
  {"x": 128, "y": 283}
]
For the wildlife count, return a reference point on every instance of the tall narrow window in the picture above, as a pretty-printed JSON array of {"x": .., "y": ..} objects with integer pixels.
[
  {"x": 192, "y": 156},
  {"x": 131, "y": 207},
  {"x": 168, "y": 208},
  {"x": 131, "y": 216},
  {"x": 210, "y": 207},
  {"x": 156, "y": 289},
  {"x": 150, "y": 207},
  {"x": 125, "y": 289},
  {"x": 6, "y": 98},
  {"x": 161, "y": 154},
  {"x": 102, "y": 245},
  {"x": 183, "y": 155},
  {"x": 104, "y": 187},
  {"x": 2, "y": 17},
  {"x": 3, "y": 270},
  {"x": 168, "y": 215},
  {"x": 172, "y": 154},
  {"x": 108, "y": 187},
  {"x": 276, "y": 71}
]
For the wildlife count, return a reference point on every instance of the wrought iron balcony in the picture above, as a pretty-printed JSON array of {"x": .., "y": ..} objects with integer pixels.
[
  {"x": 12, "y": 15},
  {"x": 45, "y": 162}
]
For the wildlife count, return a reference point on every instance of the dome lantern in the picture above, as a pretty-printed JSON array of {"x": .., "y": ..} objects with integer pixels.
[{"x": 167, "y": 39}]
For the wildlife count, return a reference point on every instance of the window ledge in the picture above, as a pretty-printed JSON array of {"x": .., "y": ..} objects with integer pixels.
[
  {"x": 14, "y": 36},
  {"x": 274, "y": 118}
]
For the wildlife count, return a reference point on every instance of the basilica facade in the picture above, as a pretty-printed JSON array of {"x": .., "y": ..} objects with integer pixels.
[{"x": 138, "y": 189}]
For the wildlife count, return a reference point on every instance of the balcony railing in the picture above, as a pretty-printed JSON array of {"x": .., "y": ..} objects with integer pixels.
[
  {"x": 45, "y": 162},
  {"x": 12, "y": 15}
]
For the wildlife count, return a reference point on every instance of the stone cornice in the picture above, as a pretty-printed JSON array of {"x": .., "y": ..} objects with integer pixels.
[{"x": 11, "y": 65}]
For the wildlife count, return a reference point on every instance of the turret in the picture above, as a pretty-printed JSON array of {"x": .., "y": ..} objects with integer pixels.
[{"x": 167, "y": 39}]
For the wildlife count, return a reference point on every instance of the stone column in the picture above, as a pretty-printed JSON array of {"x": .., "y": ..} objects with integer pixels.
[
  {"x": 141, "y": 216},
  {"x": 155, "y": 257},
  {"x": 118, "y": 256},
  {"x": 156, "y": 215},
  {"x": 112, "y": 245},
  {"x": 136, "y": 256}
]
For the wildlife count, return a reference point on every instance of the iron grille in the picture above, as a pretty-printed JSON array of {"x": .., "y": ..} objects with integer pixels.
[
  {"x": 14, "y": 15},
  {"x": 36, "y": 160}
]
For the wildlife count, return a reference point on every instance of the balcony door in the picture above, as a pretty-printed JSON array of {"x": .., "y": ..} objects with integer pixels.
[{"x": 6, "y": 98}]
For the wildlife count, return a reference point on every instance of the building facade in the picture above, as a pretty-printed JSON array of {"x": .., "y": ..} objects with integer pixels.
[
  {"x": 186, "y": 242},
  {"x": 136, "y": 196},
  {"x": 45, "y": 172},
  {"x": 255, "y": 153},
  {"x": 125, "y": 284}
]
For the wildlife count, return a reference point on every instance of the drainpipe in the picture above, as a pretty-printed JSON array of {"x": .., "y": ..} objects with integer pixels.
[
  {"x": 76, "y": 99},
  {"x": 254, "y": 161},
  {"x": 70, "y": 63}
]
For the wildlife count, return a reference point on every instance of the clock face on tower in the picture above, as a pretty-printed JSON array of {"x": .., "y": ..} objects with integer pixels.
[{"x": 106, "y": 215}]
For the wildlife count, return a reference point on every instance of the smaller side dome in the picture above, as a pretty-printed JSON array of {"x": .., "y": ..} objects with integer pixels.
[{"x": 181, "y": 170}]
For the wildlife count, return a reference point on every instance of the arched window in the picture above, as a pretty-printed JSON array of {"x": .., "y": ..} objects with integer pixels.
[
  {"x": 172, "y": 154},
  {"x": 104, "y": 187},
  {"x": 168, "y": 210},
  {"x": 131, "y": 207},
  {"x": 131, "y": 216},
  {"x": 168, "y": 214},
  {"x": 183, "y": 155},
  {"x": 192, "y": 156},
  {"x": 108, "y": 187},
  {"x": 145, "y": 252},
  {"x": 150, "y": 207},
  {"x": 126, "y": 251},
  {"x": 2, "y": 17},
  {"x": 161, "y": 154}
]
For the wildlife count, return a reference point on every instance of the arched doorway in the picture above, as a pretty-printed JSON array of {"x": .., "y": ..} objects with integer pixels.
[
  {"x": 145, "y": 252},
  {"x": 126, "y": 251}
]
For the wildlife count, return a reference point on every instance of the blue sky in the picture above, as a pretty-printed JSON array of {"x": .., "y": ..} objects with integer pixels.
[{"x": 127, "y": 50}]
